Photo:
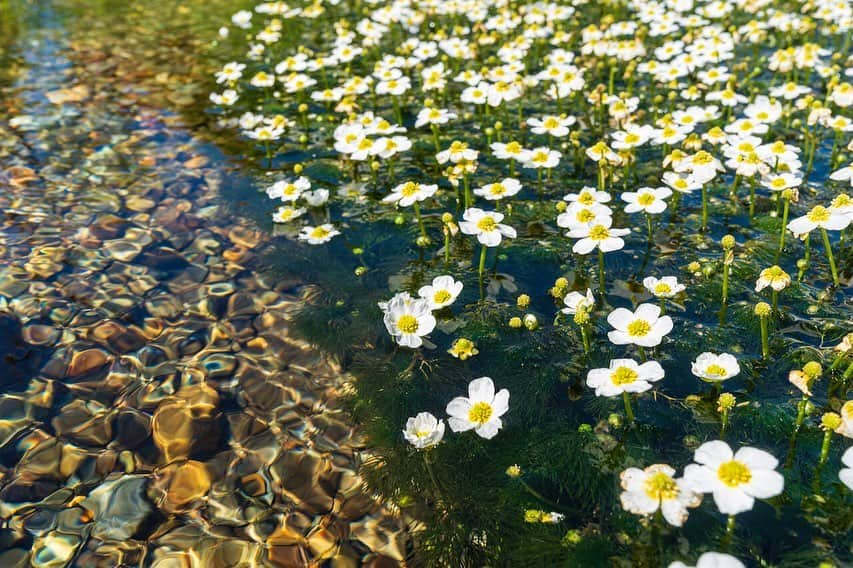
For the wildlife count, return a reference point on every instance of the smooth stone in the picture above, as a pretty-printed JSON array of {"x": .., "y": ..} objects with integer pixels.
[
  {"x": 118, "y": 506},
  {"x": 88, "y": 361},
  {"x": 54, "y": 550}
]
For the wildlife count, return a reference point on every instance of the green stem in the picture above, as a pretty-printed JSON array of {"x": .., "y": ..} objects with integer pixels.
[
  {"x": 601, "y": 272},
  {"x": 801, "y": 416},
  {"x": 626, "y": 398},
  {"x": 704, "y": 208},
  {"x": 725, "y": 422},
  {"x": 725, "y": 282},
  {"x": 829, "y": 256},
  {"x": 585, "y": 338},
  {"x": 784, "y": 227},
  {"x": 482, "y": 262},
  {"x": 765, "y": 346},
  {"x": 420, "y": 219},
  {"x": 824, "y": 448}
]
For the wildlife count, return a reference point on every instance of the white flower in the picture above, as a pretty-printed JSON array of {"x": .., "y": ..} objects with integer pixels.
[
  {"x": 285, "y": 214},
  {"x": 433, "y": 116},
  {"x": 735, "y": 480},
  {"x": 647, "y": 490},
  {"x": 486, "y": 225},
  {"x": 647, "y": 199},
  {"x": 443, "y": 292},
  {"x": 845, "y": 173},
  {"x": 481, "y": 410},
  {"x": 846, "y": 474},
  {"x": 424, "y": 430},
  {"x": 407, "y": 193},
  {"x": 600, "y": 235},
  {"x": 319, "y": 234},
  {"x": 288, "y": 190},
  {"x": 580, "y": 215},
  {"x": 712, "y": 560},
  {"x": 541, "y": 157},
  {"x": 576, "y": 301},
  {"x": 624, "y": 375},
  {"x": 666, "y": 287},
  {"x": 554, "y": 125},
  {"x": 774, "y": 277},
  {"x": 499, "y": 189},
  {"x": 715, "y": 368},
  {"x": 408, "y": 319},
  {"x": 588, "y": 196},
  {"x": 643, "y": 327},
  {"x": 821, "y": 217},
  {"x": 317, "y": 197}
]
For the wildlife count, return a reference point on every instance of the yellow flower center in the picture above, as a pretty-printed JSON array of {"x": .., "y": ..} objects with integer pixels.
[
  {"x": 585, "y": 215},
  {"x": 458, "y": 146},
  {"x": 409, "y": 189},
  {"x": 441, "y": 296},
  {"x": 663, "y": 288},
  {"x": 660, "y": 487},
  {"x": 513, "y": 148},
  {"x": 639, "y": 328},
  {"x": 318, "y": 232},
  {"x": 716, "y": 370},
  {"x": 487, "y": 224},
  {"x": 408, "y": 323},
  {"x": 734, "y": 473},
  {"x": 586, "y": 198},
  {"x": 778, "y": 183},
  {"x": 819, "y": 214},
  {"x": 551, "y": 123},
  {"x": 646, "y": 199},
  {"x": 497, "y": 189},
  {"x": 631, "y": 138},
  {"x": 599, "y": 233},
  {"x": 623, "y": 376},
  {"x": 480, "y": 413}
]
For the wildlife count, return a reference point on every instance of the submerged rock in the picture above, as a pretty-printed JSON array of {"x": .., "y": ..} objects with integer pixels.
[{"x": 118, "y": 507}]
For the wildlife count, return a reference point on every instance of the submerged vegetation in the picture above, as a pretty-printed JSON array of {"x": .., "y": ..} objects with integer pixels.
[{"x": 587, "y": 264}]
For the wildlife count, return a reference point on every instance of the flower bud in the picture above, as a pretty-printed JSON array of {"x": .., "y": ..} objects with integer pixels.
[
  {"x": 515, "y": 322},
  {"x": 830, "y": 421},
  {"x": 725, "y": 402},
  {"x": 514, "y": 471},
  {"x": 728, "y": 242},
  {"x": 523, "y": 301},
  {"x": 530, "y": 322},
  {"x": 813, "y": 369},
  {"x": 360, "y": 270},
  {"x": 297, "y": 169},
  {"x": 762, "y": 309},
  {"x": 446, "y": 218}
]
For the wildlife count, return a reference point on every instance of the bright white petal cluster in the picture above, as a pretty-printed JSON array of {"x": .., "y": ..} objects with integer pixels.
[
  {"x": 624, "y": 375},
  {"x": 481, "y": 410},
  {"x": 644, "y": 491},
  {"x": 486, "y": 225},
  {"x": 736, "y": 480},
  {"x": 407, "y": 319},
  {"x": 424, "y": 431},
  {"x": 442, "y": 292},
  {"x": 715, "y": 368},
  {"x": 666, "y": 287},
  {"x": 712, "y": 560},
  {"x": 644, "y": 326}
]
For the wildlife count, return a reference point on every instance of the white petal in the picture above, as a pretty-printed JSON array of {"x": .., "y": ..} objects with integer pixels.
[
  {"x": 756, "y": 459},
  {"x": 731, "y": 501},
  {"x": 459, "y": 407},
  {"x": 713, "y": 453},
  {"x": 490, "y": 429},
  {"x": 500, "y": 405},
  {"x": 481, "y": 390},
  {"x": 765, "y": 483}
]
